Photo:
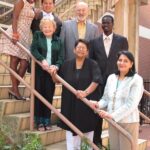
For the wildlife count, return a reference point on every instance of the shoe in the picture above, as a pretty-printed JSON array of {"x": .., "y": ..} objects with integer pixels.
[
  {"x": 41, "y": 127},
  {"x": 13, "y": 95},
  {"x": 49, "y": 127}
]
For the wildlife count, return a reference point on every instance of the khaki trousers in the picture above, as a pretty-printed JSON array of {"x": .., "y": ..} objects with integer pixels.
[{"x": 120, "y": 142}]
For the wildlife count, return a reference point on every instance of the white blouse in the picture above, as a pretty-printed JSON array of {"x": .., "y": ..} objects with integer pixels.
[{"x": 122, "y": 99}]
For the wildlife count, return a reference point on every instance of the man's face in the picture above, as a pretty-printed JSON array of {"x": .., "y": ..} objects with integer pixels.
[
  {"x": 48, "y": 6},
  {"x": 107, "y": 24},
  {"x": 81, "y": 12}
]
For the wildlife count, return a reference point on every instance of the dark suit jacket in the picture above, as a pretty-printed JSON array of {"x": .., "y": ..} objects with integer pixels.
[
  {"x": 36, "y": 22},
  {"x": 39, "y": 50},
  {"x": 108, "y": 65}
]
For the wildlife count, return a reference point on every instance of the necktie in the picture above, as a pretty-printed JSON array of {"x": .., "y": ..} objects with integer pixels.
[{"x": 107, "y": 45}]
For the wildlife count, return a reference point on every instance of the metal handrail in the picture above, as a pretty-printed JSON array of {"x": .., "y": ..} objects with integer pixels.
[
  {"x": 6, "y": 13},
  {"x": 146, "y": 92},
  {"x": 119, "y": 128}
]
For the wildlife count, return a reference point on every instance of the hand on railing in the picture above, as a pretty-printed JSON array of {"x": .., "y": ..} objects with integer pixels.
[
  {"x": 53, "y": 70},
  {"x": 15, "y": 38},
  {"x": 45, "y": 65},
  {"x": 80, "y": 94},
  {"x": 105, "y": 114}
]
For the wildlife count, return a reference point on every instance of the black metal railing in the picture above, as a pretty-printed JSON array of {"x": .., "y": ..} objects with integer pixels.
[{"x": 144, "y": 105}]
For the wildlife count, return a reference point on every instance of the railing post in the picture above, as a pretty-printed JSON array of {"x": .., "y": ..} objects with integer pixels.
[{"x": 32, "y": 95}]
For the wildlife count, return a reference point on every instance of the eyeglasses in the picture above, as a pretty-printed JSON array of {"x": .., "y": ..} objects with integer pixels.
[{"x": 81, "y": 47}]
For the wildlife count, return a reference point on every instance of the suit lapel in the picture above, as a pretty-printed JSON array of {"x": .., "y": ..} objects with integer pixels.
[
  {"x": 44, "y": 44},
  {"x": 112, "y": 48},
  {"x": 102, "y": 46},
  {"x": 87, "y": 33},
  {"x": 74, "y": 28}
]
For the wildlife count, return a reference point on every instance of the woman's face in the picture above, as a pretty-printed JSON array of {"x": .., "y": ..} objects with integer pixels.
[
  {"x": 48, "y": 29},
  {"x": 124, "y": 64},
  {"x": 31, "y": 1},
  {"x": 81, "y": 50}
]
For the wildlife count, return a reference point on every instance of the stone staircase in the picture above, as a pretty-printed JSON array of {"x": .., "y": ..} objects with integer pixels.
[
  {"x": 96, "y": 8},
  {"x": 15, "y": 116}
]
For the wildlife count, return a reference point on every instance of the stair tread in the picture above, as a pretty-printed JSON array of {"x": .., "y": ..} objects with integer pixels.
[{"x": 54, "y": 128}]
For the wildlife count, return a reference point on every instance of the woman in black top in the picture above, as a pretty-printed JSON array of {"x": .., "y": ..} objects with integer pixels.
[{"x": 84, "y": 75}]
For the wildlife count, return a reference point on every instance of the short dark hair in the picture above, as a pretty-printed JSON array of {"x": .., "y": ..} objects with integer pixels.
[
  {"x": 82, "y": 41},
  {"x": 53, "y": 1},
  {"x": 130, "y": 56},
  {"x": 109, "y": 16}
]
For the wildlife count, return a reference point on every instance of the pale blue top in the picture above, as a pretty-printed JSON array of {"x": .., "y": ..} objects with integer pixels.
[
  {"x": 49, "y": 49},
  {"x": 127, "y": 97}
]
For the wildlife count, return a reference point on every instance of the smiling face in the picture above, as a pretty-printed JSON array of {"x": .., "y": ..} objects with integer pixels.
[
  {"x": 81, "y": 11},
  {"x": 124, "y": 64},
  {"x": 81, "y": 50},
  {"x": 107, "y": 25},
  {"x": 48, "y": 6},
  {"x": 47, "y": 27}
]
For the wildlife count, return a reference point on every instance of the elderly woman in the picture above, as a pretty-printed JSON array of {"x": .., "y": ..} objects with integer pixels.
[
  {"x": 84, "y": 75},
  {"x": 48, "y": 49},
  {"x": 23, "y": 15},
  {"x": 121, "y": 97}
]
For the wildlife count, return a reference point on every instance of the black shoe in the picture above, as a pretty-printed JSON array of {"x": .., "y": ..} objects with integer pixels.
[{"x": 13, "y": 95}]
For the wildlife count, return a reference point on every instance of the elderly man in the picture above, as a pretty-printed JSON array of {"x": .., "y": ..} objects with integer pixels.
[
  {"x": 78, "y": 28},
  {"x": 47, "y": 11}
]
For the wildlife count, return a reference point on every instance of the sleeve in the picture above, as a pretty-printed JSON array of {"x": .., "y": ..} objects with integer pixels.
[
  {"x": 132, "y": 100},
  {"x": 34, "y": 47},
  {"x": 60, "y": 55},
  {"x": 62, "y": 70},
  {"x": 96, "y": 32},
  {"x": 62, "y": 37},
  {"x": 91, "y": 50},
  {"x": 96, "y": 73},
  {"x": 125, "y": 44},
  {"x": 58, "y": 29}
]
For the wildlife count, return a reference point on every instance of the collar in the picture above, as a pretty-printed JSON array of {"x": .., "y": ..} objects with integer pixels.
[
  {"x": 48, "y": 15},
  {"x": 79, "y": 22},
  {"x": 105, "y": 36}
]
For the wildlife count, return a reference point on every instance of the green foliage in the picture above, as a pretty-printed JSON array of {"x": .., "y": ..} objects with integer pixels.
[
  {"x": 84, "y": 144},
  {"x": 30, "y": 142}
]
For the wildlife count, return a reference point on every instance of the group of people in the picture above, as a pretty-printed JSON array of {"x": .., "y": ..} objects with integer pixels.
[{"x": 98, "y": 66}]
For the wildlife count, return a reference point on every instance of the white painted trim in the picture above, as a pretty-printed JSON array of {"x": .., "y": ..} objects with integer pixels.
[
  {"x": 144, "y": 32},
  {"x": 6, "y": 4}
]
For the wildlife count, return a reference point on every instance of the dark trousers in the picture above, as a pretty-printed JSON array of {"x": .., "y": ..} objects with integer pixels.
[
  {"x": 45, "y": 86},
  {"x": 97, "y": 132}
]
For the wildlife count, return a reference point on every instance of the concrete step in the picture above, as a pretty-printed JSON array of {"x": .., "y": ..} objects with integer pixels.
[
  {"x": 5, "y": 78},
  {"x": 62, "y": 145},
  {"x": 5, "y": 88},
  {"x": 12, "y": 106},
  {"x": 14, "y": 124},
  {"x": 49, "y": 137},
  {"x": 24, "y": 91}
]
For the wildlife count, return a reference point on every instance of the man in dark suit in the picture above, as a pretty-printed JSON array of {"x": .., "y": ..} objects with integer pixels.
[
  {"x": 78, "y": 28},
  {"x": 104, "y": 51},
  {"x": 47, "y": 11}
]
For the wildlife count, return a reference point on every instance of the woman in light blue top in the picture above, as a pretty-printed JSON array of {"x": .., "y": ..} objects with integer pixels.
[{"x": 121, "y": 97}]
